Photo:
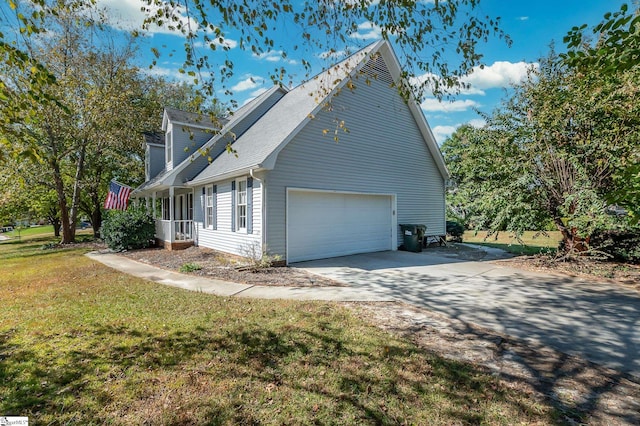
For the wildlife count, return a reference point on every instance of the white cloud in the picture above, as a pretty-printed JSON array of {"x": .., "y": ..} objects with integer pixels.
[
  {"x": 443, "y": 132},
  {"x": 522, "y": 18},
  {"x": 258, "y": 92},
  {"x": 218, "y": 42},
  {"x": 434, "y": 105},
  {"x": 274, "y": 56},
  {"x": 249, "y": 83},
  {"x": 367, "y": 31},
  {"x": 499, "y": 74},
  {"x": 478, "y": 123},
  {"x": 173, "y": 74},
  {"x": 127, "y": 15}
]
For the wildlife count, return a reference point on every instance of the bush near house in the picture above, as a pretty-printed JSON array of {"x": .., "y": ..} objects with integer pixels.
[
  {"x": 455, "y": 230},
  {"x": 130, "y": 229}
]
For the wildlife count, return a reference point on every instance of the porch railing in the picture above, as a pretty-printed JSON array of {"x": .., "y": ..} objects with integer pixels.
[
  {"x": 178, "y": 230},
  {"x": 183, "y": 230}
]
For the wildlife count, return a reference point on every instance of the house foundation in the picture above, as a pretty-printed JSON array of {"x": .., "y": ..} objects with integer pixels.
[{"x": 177, "y": 245}]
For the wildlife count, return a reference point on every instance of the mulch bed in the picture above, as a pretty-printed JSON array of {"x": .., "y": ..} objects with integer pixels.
[{"x": 227, "y": 267}]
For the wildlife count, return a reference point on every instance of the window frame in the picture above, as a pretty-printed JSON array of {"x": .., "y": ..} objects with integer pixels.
[
  {"x": 209, "y": 214},
  {"x": 241, "y": 206},
  {"x": 169, "y": 147}
]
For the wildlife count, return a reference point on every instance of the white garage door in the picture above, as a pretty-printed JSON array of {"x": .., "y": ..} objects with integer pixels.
[{"x": 327, "y": 224}]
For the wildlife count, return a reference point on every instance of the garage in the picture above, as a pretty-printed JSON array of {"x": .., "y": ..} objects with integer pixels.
[{"x": 330, "y": 224}]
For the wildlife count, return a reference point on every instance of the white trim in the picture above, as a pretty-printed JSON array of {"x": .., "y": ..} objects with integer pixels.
[
  {"x": 394, "y": 210},
  {"x": 236, "y": 225},
  {"x": 208, "y": 196}
]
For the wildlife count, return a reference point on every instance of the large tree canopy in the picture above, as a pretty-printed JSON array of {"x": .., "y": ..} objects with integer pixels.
[
  {"x": 438, "y": 40},
  {"x": 81, "y": 132},
  {"x": 554, "y": 152}
]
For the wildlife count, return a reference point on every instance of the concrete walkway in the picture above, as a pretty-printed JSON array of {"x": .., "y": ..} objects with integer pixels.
[
  {"x": 596, "y": 321},
  {"x": 225, "y": 288}
]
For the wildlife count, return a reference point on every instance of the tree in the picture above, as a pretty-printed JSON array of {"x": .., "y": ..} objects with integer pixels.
[
  {"x": 423, "y": 31},
  {"x": 551, "y": 153},
  {"x": 614, "y": 52}
]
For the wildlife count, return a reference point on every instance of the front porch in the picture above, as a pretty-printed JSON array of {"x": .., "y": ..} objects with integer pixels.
[
  {"x": 173, "y": 213},
  {"x": 174, "y": 235}
]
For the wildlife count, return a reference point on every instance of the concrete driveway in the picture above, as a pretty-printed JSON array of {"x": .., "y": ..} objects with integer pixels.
[{"x": 596, "y": 321}]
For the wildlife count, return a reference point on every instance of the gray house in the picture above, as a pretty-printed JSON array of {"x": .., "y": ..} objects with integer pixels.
[{"x": 328, "y": 168}]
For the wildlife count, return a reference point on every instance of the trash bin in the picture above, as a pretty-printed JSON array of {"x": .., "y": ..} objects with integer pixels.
[{"x": 412, "y": 236}]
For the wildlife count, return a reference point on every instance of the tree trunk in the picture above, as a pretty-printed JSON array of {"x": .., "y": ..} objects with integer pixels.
[
  {"x": 75, "y": 201},
  {"x": 67, "y": 236},
  {"x": 572, "y": 243},
  {"x": 56, "y": 227},
  {"x": 96, "y": 221}
]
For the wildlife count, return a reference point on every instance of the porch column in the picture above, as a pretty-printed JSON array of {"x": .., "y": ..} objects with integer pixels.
[
  {"x": 171, "y": 214},
  {"x": 146, "y": 203},
  {"x": 154, "y": 206}
]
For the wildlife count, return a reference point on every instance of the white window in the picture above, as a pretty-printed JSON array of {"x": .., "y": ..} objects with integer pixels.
[
  {"x": 241, "y": 205},
  {"x": 209, "y": 216},
  {"x": 168, "y": 146}
]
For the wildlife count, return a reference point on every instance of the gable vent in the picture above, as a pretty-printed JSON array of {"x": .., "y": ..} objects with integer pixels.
[{"x": 377, "y": 69}]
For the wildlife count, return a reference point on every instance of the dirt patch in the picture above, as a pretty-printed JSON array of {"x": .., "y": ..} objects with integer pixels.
[
  {"x": 624, "y": 274},
  {"x": 227, "y": 267},
  {"x": 582, "y": 391}
]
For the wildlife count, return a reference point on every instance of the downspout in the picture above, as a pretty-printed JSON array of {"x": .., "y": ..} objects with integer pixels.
[{"x": 263, "y": 224}]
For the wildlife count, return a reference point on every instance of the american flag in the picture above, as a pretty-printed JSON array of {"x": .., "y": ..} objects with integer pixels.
[{"x": 118, "y": 196}]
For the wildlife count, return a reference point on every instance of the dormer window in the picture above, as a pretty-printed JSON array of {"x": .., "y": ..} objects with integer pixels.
[{"x": 168, "y": 146}]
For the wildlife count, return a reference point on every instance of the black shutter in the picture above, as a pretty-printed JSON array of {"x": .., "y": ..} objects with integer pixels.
[
  {"x": 249, "y": 205},
  {"x": 203, "y": 203}
]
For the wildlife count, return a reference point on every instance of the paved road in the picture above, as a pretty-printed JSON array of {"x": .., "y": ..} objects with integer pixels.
[{"x": 597, "y": 321}]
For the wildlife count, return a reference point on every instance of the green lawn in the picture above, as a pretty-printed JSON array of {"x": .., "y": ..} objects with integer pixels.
[
  {"x": 531, "y": 242},
  {"x": 31, "y": 231},
  {"x": 39, "y": 231},
  {"x": 83, "y": 344}
]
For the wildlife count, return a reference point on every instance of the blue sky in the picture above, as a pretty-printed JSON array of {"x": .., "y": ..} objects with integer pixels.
[{"x": 532, "y": 26}]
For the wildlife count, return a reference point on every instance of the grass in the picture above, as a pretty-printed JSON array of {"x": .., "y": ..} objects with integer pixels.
[
  {"x": 39, "y": 231},
  {"x": 31, "y": 231},
  {"x": 532, "y": 242},
  {"x": 83, "y": 344}
]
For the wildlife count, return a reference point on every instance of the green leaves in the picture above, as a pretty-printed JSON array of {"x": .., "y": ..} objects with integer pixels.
[
  {"x": 561, "y": 149},
  {"x": 616, "y": 45}
]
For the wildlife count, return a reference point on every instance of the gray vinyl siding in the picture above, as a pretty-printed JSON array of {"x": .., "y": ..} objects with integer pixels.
[
  {"x": 186, "y": 141},
  {"x": 224, "y": 238},
  {"x": 383, "y": 152},
  {"x": 156, "y": 162}
]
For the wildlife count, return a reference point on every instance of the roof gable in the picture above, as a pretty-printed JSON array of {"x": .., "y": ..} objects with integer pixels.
[
  {"x": 259, "y": 146},
  {"x": 190, "y": 119},
  {"x": 168, "y": 177}
]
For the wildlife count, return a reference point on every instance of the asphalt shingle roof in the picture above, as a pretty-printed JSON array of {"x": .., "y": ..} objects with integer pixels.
[{"x": 275, "y": 127}]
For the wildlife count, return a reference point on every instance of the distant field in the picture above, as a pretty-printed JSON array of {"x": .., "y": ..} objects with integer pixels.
[
  {"x": 37, "y": 231},
  {"x": 531, "y": 242}
]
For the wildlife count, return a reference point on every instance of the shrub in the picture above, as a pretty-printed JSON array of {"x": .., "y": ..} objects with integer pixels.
[
  {"x": 130, "y": 229},
  {"x": 190, "y": 267},
  {"x": 621, "y": 245},
  {"x": 455, "y": 230}
]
